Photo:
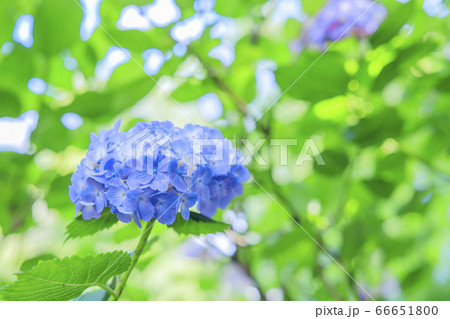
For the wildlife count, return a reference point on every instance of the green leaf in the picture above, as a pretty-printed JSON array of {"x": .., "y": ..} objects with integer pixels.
[
  {"x": 335, "y": 162},
  {"x": 380, "y": 187},
  {"x": 192, "y": 89},
  {"x": 418, "y": 203},
  {"x": 392, "y": 167},
  {"x": 57, "y": 74},
  {"x": 87, "y": 57},
  {"x": 399, "y": 14},
  {"x": 402, "y": 64},
  {"x": 315, "y": 78},
  {"x": 81, "y": 228},
  {"x": 15, "y": 201},
  {"x": 50, "y": 133},
  {"x": 9, "y": 104},
  {"x": 30, "y": 263},
  {"x": 16, "y": 69},
  {"x": 197, "y": 224},
  {"x": 374, "y": 129},
  {"x": 100, "y": 105},
  {"x": 313, "y": 7},
  {"x": 353, "y": 238},
  {"x": 236, "y": 8},
  {"x": 91, "y": 104},
  {"x": 57, "y": 25},
  {"x": 65, "y": 279},
  {"x": 56, "y": 196},
  {"x": 7, "y": 8}
]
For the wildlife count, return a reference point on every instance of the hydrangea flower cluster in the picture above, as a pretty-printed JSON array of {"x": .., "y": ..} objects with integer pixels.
[
  {"x": 155, "y": 170},
  {"x": 341, "y": 18}
]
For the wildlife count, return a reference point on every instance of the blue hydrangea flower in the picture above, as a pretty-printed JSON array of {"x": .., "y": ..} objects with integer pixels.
[
  {"x": 155, "y": 170},
  {"x": 177, "y": 174},
  {"x": 166, "y": 207},
  {"x": 201, "y": 181},
  {"x": 341, "y": 18},
  {"x": 186, "y": 201}
]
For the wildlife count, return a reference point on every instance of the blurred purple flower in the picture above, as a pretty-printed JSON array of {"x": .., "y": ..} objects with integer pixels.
[{"x": 341, "y": 18}]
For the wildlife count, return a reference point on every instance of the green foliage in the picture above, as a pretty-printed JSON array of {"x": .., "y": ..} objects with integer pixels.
[
  {"x": 376, "y": 128},
  {"x": 191, "y": 90},
  {"x": 18, "y": 171},
  {"x": 30, "y": 263},
  {"x": 65, "y": 279},
  {"x": 235, "y": 8},
  {"x": 80, "y": 228},
  {"x": 327, "y": 79},
  {"x": 405, "y": 59},
  {"x": 399, "y": 15},
  {"x": 197, "y": 225},
  {"x": 335, "y": 162},
  {"x": 50, "y": 39},
  {"x": 9, "y": 104}
]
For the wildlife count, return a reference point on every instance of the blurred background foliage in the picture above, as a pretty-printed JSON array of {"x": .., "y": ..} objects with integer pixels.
[{"x": 377, "y": 107}]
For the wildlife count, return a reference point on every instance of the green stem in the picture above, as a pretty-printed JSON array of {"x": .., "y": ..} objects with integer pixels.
[
  {"x": 108, "y": 290},
  {"x": 137, "y": 253}
]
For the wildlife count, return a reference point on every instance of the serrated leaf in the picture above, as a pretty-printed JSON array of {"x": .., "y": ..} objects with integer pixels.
[
  {"x": 81, "y": 228},
  {"x": 197, "y": 224},
  {"x": 65, "y": 279},
  {"x": 30, "y": 263}
]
